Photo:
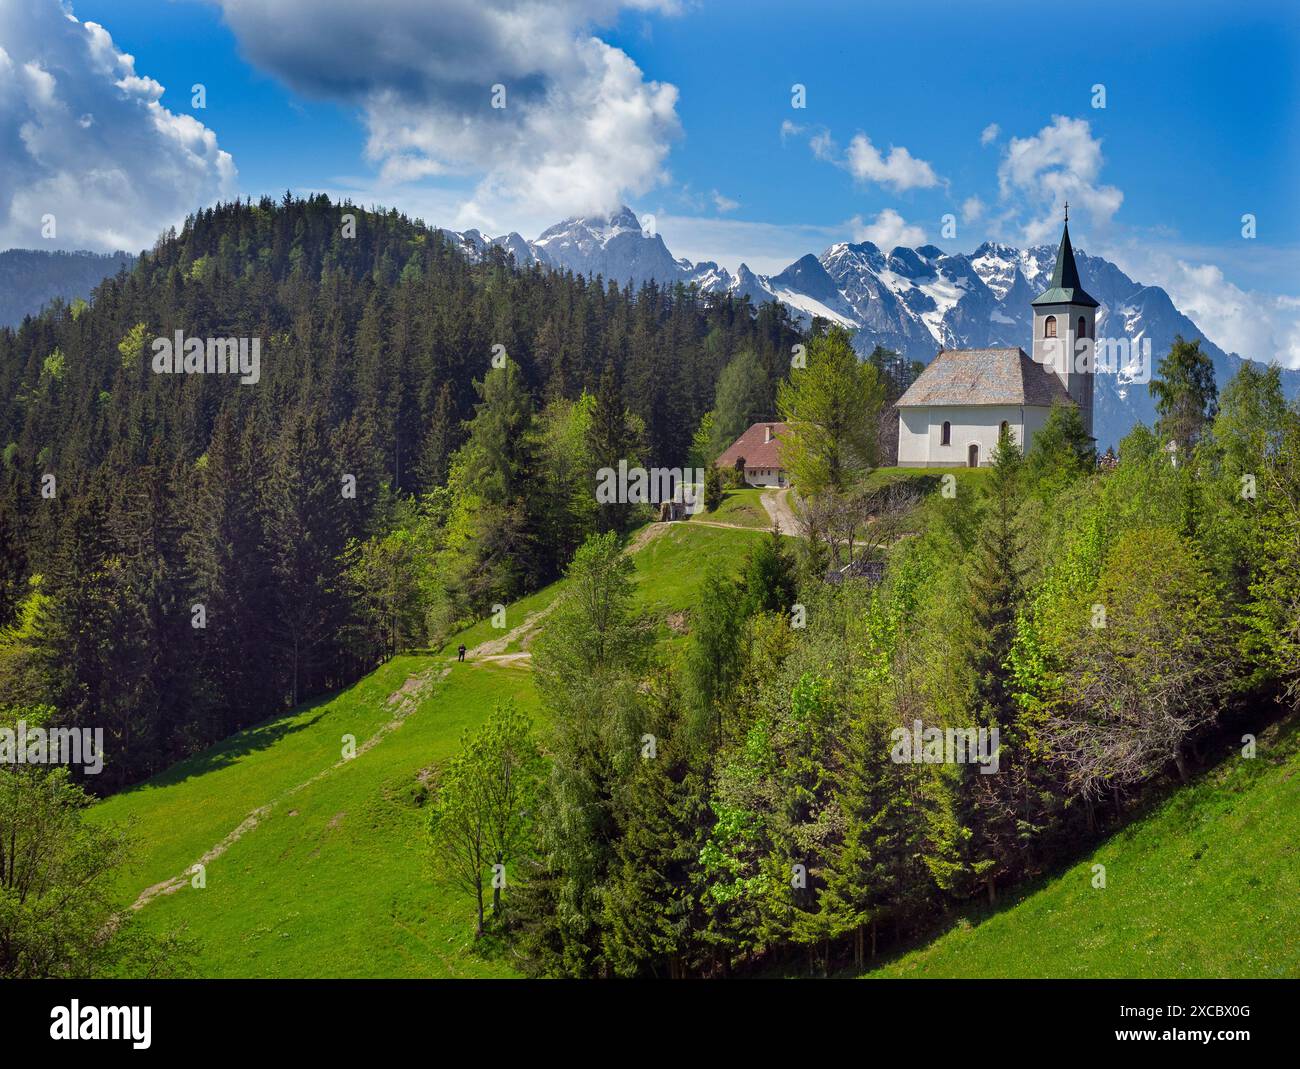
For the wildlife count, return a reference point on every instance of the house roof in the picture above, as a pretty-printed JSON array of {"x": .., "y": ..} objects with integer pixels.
[
  {"x": 1065, "y": 287},
  {"x": 751, "y": 445},
  {"x": 984, "y": 377}
]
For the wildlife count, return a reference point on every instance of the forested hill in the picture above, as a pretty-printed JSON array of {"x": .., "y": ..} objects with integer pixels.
[
  {"x": 176, "y": 547},
  {"x": 31, "y": 278}
]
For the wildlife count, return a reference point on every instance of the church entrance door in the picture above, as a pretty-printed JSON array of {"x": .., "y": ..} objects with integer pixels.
[{"x": 973, "y": 458}]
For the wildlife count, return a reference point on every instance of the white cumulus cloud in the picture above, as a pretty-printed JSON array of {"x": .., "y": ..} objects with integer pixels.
[
  {"x": 1260, "y": 326},
  {"x": 887, "y": 230},
  {"x": 86, "y": 141},
  {"x": 1060, "y": 163},
  {"x": 990, "y": 133},
  {"x": 899, "y": 170},
  {"x": 581, "y": 130}
]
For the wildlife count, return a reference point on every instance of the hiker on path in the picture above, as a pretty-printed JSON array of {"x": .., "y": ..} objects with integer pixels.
[{"x": 461, "y": 652}]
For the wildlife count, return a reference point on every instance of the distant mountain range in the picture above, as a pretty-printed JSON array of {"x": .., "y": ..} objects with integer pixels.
[
  {"x": 31, "y": 278},
  {"x": 915, "y": 301}
]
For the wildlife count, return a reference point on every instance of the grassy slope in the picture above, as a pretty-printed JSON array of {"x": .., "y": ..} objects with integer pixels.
[
  {"x": 1206, "y": 885},
  {"x": 744, "y": 507},
  {"x": 336, "y": 880}
]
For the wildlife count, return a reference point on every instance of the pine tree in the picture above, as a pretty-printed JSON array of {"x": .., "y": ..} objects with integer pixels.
[
  {"x": 609, "y": 443},
  {"x": 1061, "y": 452},
  {"x": 988, "y": 809},
  {"x": 1185, "y": 394},
  {"x": 877, "y": 876}
]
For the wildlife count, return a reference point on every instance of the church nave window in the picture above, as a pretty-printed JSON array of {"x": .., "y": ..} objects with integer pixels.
[{"x": 946, "y": 437}]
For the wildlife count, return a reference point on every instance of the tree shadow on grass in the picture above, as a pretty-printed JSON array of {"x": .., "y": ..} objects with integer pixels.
[{"x": 225, "y": 753}]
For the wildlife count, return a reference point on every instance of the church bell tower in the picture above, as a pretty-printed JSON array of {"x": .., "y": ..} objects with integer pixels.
[{"x": 1065, "y": 319}]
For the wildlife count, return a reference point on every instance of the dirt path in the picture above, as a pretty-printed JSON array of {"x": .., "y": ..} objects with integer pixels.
[
  {"x": 777, "y": 503},
  {"x": 494, "y": 648},
  {"x": 738, "y": 527},
  {"x": 645, "y": 536},
  {"x": 406, "y": 699}
]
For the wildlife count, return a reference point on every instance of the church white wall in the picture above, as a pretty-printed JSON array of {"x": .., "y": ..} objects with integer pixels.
[{"x": 920, "y": 432}]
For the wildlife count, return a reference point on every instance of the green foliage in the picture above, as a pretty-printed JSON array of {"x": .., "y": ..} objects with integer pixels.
[
  {"x": 1273, "y": 616},
  {"x": 702, "y": 454},
  {"x": 1061, "y": 452},
  {"x": 588, "y": 663},
  {"x": 1185, "y": 394},
  {"x": 54, "y": 367},
  {"x": 712, "y": 489},
  {"x": 496, "y": 464},
  {"x": 715, "y": 655},
  {"x": 769, "y": 581},
  {"x": 371, "y": 345},
  {"x": 480, "y": 819},
  {"x": 744, "y": 396},
  {"x": 383, "y": 579},
  {"x": 1149, "y": 673},
  {"x": 830, "y": 407},
  {"x": 57, "y": 914},
  {"x": 131, "y": 347}
]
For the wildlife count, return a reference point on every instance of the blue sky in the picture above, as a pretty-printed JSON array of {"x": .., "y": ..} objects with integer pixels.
[{"x": 913, "y": 111}]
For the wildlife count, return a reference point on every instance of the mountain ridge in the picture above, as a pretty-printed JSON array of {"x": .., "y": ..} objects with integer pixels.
[{"x": 914, "y": 300}]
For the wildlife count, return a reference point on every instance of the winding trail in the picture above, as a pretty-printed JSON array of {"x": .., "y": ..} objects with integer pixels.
[
  {"x": 405, "y": 700},
  {"x": 777, "y": 503}
]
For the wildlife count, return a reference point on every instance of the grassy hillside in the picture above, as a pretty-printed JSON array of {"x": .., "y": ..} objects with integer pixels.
[
  {"x": 1207, "y": 884},
  {"x": 318, "y": 866},
  {"x": 740, "y": 506},
  {"x": 334, "y": 879}
]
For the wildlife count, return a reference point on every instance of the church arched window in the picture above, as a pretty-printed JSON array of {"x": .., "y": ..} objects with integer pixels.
[
  {"x": 1049, "y": 327},
  {"x": 946, "y": 438},
  {"x": 1083, "y": 327},
  {"x": 1004, "y": 428}
]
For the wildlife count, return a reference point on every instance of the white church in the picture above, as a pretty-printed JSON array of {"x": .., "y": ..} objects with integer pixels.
[{"x": 952, "y": 414}]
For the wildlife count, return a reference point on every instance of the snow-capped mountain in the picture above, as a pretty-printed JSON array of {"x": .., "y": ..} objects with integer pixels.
[{"x": 916, "y": 301}]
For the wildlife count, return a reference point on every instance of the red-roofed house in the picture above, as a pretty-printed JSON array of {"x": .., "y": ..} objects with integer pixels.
[{"x": 756, "y": 449}]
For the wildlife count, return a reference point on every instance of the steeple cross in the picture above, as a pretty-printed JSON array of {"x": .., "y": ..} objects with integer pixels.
[{"x": 1067, "y": 211}]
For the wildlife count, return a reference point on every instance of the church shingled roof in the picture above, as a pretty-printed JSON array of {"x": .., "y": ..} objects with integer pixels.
[
  {"x": 984, "y": 377},
  {"x": 1065, "y": 287}
]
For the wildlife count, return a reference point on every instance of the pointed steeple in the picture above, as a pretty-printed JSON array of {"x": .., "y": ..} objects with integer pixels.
[{"x": 1065, "y": 287}]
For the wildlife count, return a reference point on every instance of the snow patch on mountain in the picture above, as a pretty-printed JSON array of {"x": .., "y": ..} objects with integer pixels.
[{"x": 915, "y": 301}]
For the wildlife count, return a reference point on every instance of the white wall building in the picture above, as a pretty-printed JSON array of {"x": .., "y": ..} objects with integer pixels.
[{"x": 952, "y": 414}]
